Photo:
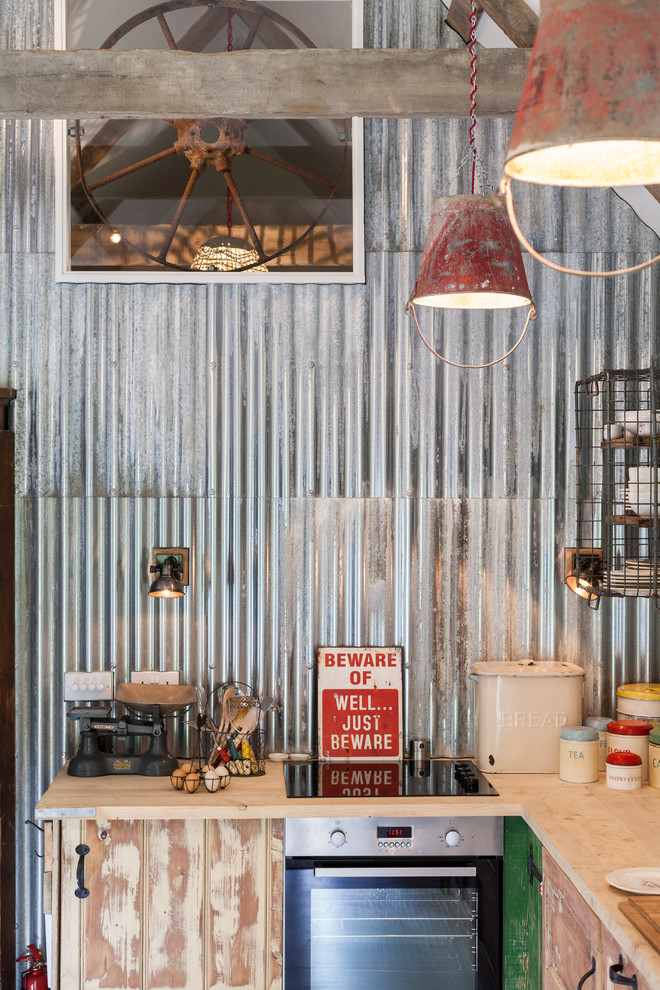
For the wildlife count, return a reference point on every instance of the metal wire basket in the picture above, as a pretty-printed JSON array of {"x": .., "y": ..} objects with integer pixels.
[{"x": 617, "y": 426}]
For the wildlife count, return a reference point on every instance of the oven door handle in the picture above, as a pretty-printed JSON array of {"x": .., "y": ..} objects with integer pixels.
[{"x": 393, "y": 871}]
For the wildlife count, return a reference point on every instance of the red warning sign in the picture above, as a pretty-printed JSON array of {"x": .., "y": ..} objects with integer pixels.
[{"x": 360, "y": 703}]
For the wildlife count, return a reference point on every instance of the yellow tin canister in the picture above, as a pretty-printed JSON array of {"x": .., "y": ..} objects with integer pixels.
[{"x": 641, "y": 701}]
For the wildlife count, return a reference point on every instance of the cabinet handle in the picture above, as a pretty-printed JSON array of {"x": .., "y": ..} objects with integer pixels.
[
  {"x": 81, "y": 889},
  {"x": 616, "y": 975},
  {"x": 587, "y": 974}
]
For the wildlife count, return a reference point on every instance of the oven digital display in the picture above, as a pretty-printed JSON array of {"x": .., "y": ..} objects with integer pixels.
[{"x": 394, "y": 831}]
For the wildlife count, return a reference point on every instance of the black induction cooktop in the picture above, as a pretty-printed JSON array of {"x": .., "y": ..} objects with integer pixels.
[{"x": 368, "y": 778}]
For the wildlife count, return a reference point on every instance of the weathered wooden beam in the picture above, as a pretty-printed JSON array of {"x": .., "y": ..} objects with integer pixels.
[
  {"x": 515, "y": 18},
  {"x": 334, "y": 83},
  {"x": 655, "y": 192},
  {"x": 458, "y": 17}
]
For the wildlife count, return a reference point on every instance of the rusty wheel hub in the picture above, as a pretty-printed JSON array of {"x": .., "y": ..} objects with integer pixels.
[{"x": 210, "y": 142}]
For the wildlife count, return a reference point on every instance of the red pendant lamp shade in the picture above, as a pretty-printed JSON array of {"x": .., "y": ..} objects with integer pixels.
[
  {"x": 471, "y": 258},
  {"x": 589, "y": 114}
]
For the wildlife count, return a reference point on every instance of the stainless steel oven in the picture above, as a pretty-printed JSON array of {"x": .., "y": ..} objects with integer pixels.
[{"x": 393, "y": 903}]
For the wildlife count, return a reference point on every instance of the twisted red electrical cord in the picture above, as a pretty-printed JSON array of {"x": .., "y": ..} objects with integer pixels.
[
  {"x": 230, "y": 48},
  {"x": 473, "y": 91}
]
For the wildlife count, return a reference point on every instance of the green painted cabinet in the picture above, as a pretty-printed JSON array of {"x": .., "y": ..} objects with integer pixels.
[{"x": 523, "y": 908}]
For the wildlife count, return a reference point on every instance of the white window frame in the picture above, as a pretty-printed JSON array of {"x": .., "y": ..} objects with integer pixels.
[{"x": 64, "y": 273}]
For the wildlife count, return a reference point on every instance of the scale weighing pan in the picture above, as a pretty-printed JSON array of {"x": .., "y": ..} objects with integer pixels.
[{"x": 169, "y": 697}]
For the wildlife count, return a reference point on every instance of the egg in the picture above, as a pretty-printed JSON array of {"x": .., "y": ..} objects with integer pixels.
[
  {"x": 186, "y": 767},
  {"x": 211, "y": 780},
  {"x": 223, "y": 776},
  {"x": 177, "y": 777},
  {"x": 191, "y": 781}
]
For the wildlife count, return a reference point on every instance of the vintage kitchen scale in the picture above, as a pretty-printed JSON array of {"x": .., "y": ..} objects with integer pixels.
[{"x": 107, "y": 742}]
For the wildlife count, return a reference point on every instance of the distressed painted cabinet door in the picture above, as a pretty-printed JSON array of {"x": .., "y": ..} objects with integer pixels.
[
  {"x": 572, "y": 933},
  {"x": 522, "y": 964},
  {"x": 172, "y": 905},
  {"x": 101, "y": 934},
  {"x": 613, "y": 956}
]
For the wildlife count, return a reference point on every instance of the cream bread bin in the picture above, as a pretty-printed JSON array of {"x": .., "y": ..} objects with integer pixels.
[{"x": 521, "y": 708}]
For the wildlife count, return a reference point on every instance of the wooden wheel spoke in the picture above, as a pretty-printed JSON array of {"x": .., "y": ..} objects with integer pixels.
[
  {"x": 202, "y": 33},
  {"x": 252, "y": 234},
  {"x": 303, "y": 173},
  {"x": 169, "y": 37},
  {"x": 249, "y": 41},
  {"x": 120, "y": 173},
  {"x": 176, "y": 220}
]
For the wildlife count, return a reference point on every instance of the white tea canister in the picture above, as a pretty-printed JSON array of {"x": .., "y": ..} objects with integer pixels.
[
  {"x": 578, "y": 754},
  {"x": 599, "y": 723},
  {"x": 623, "y": 771}
]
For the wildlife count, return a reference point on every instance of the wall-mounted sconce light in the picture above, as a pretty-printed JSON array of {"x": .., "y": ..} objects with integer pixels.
[
  {"x": 589, "y": 114},
  {"x": 583, "y": 573},
  {"x": 170, "y": 565}
]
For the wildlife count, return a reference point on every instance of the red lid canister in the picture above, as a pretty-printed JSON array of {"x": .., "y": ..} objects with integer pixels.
[
  {"x": 629, "y": 727},
  {"x": 622, "y": 758}
]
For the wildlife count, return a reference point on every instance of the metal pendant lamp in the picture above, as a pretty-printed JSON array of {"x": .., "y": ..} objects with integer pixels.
[
  {"x": 226, "y": 254},
  {"x": 471, "y": 257},
  {"x": 589, "y": 114},
  {"x": 471, "y": 260}
]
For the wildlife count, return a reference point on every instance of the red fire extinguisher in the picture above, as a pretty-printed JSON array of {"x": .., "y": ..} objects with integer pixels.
[{"x": 35, "y": 977}]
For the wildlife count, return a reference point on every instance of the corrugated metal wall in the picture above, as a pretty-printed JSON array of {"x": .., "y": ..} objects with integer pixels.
[{"x": 334, "y": 484}]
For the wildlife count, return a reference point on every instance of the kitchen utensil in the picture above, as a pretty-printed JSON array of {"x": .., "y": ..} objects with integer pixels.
[
  {"x": 228, "y": 692},
  {"x": 636, "y": 880},
  {"x": 151, "y": 702},
  {"x": 244, "y": 714}
]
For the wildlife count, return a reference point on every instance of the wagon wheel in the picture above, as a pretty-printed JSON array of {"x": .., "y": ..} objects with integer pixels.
[{"x": 210, "y": 143}]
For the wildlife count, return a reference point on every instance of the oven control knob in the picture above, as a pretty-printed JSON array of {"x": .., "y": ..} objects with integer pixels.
[
  {"x": 338, "y": 838},
  {"x": 452, "y": 837}
]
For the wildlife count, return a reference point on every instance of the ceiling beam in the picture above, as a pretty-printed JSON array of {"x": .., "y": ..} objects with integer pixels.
[
  {"x": 333, "y": 83},
  {"x": 514, "y": 17},
  {"x": 458, "y": 17}
]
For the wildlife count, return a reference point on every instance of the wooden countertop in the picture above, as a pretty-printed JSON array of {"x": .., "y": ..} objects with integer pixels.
[{"x": 588, "y": 829}]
